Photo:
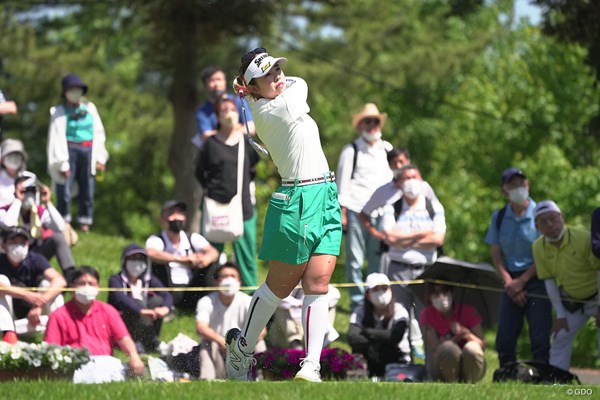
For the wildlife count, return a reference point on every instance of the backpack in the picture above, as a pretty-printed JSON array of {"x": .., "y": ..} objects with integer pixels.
[
  {"x": 534, "y": 372},
  {"x": 500, "y": 217},
  {"x": 398, "y": 210}
]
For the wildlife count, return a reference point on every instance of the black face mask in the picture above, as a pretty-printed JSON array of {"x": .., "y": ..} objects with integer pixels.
[{"x": 176, "y": 225}]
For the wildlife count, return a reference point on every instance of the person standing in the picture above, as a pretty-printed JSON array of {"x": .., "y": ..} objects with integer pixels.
[
  {"x": 569, "y": 269},
  {"x": 217, "y": 172},
  {"x": 362, "y": 168},
  {"x": 303, "y": 229},
  {"x": 76, "y": 150},
  {"x": 215, "y": 85},
  {"x": 511, "y": 234}
]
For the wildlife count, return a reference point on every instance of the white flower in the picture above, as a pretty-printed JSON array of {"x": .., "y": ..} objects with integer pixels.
[
  {"x": 68, "y": 360},
  {"x": 37, "y": 362}
]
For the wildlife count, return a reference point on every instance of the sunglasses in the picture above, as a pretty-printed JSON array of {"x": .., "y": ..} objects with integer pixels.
[
  {"x": 249, "y": 56},
  {"x": 370, "y": 121}
]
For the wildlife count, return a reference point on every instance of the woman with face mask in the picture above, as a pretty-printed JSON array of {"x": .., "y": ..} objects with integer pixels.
[
  {"x": 144, "y": 305},
  {"x": 217, "y": 170},
  {"x": 378, "y": 326},
  {"x": 453, "y": 338},
  {"x": 12, "y": 163},
  {"x": 76, "y": 149}
]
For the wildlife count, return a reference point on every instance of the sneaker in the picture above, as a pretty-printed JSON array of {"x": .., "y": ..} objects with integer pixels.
[
  {"x": 237, "y": 362},
  {"x": 310, "y": 371}
]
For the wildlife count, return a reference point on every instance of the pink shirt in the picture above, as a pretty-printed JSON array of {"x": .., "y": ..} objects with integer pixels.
[
  {"x": 469, "y": 318},
  {"x": 98, "y": 331}
]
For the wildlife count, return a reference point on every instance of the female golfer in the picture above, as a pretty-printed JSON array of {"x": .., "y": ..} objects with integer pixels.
[{"x": 302, "y": 230}]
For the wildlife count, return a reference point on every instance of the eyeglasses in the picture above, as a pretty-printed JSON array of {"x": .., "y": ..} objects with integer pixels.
[{"x": 370, "y": 121}]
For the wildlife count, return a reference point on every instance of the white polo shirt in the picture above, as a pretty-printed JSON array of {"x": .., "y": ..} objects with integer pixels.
[
  {"x": 221, "y": 318},
  {"x": 289, "y": 133}
]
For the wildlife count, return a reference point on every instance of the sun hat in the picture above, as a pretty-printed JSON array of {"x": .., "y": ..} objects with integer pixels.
[
  {"x": 73, "y": 80},
  {"x": 13, "y": 146},
  {"x": 368, "y": 110}
]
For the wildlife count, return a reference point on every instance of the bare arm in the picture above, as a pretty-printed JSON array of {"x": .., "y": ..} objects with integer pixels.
[
  {"x": 209, "y": 333},
  {"x": 135, "y": 362},
  {"x": 163, "y": 257},
  {"x": 366, "y": 221}
]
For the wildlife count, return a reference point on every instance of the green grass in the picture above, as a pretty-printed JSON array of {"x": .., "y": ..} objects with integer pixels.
[
  {"x": 285, "y": 390},
  {"x": 104, "y": 253}
]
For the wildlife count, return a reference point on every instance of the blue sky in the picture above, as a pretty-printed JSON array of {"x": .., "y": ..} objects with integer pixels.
[{"x": 524, "y": 9}]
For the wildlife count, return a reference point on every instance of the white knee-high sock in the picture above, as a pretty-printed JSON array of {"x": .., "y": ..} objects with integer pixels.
[
  {"x": 262, "y": 306},
  {"x": 315, "y": 311}
]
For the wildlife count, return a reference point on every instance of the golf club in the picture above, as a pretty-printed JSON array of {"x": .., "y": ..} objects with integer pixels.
[{"x": 259, "y": 149}]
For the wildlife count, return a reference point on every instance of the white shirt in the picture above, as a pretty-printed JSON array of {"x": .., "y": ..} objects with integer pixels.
[
  {"x": 180, "y": 273},
  {"x": 218, "y": 316},
  {"x": 7, "y": 188},
  {"x": 371, "y": 171},
  {"x": 289, "y": 133},
  {"x": 414, "y": 220},
  {"x": 388, "y": 194}
]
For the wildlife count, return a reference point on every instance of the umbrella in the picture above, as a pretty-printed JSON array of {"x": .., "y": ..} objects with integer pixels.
[{"x": 475, "y": 284}]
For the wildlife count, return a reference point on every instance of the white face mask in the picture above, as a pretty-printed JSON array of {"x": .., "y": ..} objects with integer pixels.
[
  {"x": 371, "y": 137},
  {"x": 380, "y": 298},
  {"x": 17, "y": 252},
  {"x": 229, "y": 286},
  {"x": 518, "y": 195},
  {"x": 135, "y": 268},
  {"x": 13, "y": 161},
  {"x": 230, "y": 119},
  {"x": 559, "y": 237},
  {"x": 74, "y": 95},
  {"x": 442, "y": 302},
  {"x": 86, "y": 294},
  {"x": 412, "y": 188}
]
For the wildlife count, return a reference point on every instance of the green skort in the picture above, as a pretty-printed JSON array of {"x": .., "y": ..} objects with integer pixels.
[{"x": 302, "y": 221}]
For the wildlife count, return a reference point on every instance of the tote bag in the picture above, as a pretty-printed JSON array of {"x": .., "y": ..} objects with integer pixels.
[{"x": 224, "y": 222}]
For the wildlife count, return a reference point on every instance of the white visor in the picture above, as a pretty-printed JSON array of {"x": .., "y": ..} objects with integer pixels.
[{"x": 261, "y": 65}]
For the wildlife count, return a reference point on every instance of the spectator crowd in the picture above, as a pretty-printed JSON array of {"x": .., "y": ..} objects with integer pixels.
[{"x": 394, "y": 228}]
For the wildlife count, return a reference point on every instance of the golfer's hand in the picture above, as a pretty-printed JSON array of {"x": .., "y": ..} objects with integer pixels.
[{"x": 560, "y": 323}]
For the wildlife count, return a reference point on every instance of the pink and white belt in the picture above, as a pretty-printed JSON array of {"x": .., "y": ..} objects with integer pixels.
[{"x": 326, "y": 177}]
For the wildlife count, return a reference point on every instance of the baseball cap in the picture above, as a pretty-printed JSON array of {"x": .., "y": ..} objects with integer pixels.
[
  {"x": 377, "y": 279},
  {"x": 173, "y": 204},
  {"x": 14, "y": 231},
  {"x": 510, "y": 173},
  {"x": 544, "y": 207},
  {"x": 260, "y": 65}
]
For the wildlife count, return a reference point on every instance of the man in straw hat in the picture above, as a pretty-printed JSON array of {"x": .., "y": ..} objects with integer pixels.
[
  {"x": 362, "y": 168},
  {"x": 564, "y": 259}
]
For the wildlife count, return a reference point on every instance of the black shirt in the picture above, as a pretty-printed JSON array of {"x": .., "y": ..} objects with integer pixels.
[{"x": 216, "y": 171}]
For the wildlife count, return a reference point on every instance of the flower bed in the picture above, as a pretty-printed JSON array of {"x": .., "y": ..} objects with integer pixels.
[
  {"x": 282, "y": 364},
  {"x": 40, "y": 360}
]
